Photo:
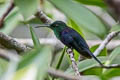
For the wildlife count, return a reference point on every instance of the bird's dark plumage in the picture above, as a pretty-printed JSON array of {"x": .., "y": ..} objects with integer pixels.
[{"x": 72, "y": 39}]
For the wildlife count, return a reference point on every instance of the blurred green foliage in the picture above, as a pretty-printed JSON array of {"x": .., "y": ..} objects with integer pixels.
[
  {"x": 115, "y": 28},
  {"x": 27, "y": 7},
  {"x": 84, "y": 18},
  {"x": 102, "y": 53},
  {"x": 33, "y": 65},
  {"x": 2, "y": 1},
  {"x": 99, "y": 3},
  {"x": 11, "y": 21}
]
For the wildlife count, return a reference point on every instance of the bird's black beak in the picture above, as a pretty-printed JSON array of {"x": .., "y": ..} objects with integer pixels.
[{"x": 44, "y": 25}]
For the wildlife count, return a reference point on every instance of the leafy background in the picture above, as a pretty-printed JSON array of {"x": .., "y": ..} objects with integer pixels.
[{"x": 33, "y": 65}]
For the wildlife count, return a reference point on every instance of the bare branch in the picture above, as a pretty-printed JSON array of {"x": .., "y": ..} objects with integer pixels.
[
  {"x": 110, "y": 66},
  {"x": 55, "y": 42},
  {"x": 11, "y": 43},
  {"x": 43, "y": 17},
  {"x": 74, "y": 64},
  {"x": 6, "y": 13},
  {"x": 105, "y": 42}
]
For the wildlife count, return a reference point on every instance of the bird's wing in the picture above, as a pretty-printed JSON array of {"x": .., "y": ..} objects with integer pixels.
[
  {"x": 78, "y": 39},
  {"x": 66, "y": 38},
  {"x": 70, "y": 42},
  {"x": 71, "y": 38}
]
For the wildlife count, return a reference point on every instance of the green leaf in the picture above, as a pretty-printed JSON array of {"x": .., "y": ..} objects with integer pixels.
[
  {"x": 44, "y": 62},
  {"x": 112, "y": 73},
  {"x": 27, "y": 7},
  {"x": 34, "y": 38},
  {"x": 21, "y": 73},
  {"x": 28, "y": 58},
  {"x": 2, "y": 1},
  {"x": 114, "y": 54},
  {"x": 61, "y": 58},
  {"x": 38, "y": 59},
  {"x": 113, "y": 58},
  {"x": 32, "y": 55},
  {"x": 84, "y": 18},
  {"x": 99, "y": 3},
  {"x": 86, "y": 64},
  {"x": 102, "y": 53},
  {"x": 115, "y": 28},
  {"x": 3, "y": 66},
  {"x": 35, "y": 21},
  {"x": 65, "y": 61},
  {"x": 11, "y": 21},
  {"x": 76, "y": 55},
  {"x": 93, "y": 71}
]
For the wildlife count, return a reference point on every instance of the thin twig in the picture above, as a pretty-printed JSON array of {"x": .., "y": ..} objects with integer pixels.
[
  {"x": 105, "y": 42},
  {"x": 6, "y": 13},
  {"x": 11, "y": 43},
  {"x": 74, "y": 64},
  {"x": 110, "y": 66}
]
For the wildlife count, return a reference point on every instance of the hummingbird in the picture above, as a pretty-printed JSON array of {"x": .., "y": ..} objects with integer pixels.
[{"x": 71, "y": 38}]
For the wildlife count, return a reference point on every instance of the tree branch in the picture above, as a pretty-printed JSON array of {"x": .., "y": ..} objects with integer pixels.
[
  {"x": 11, "y": 43},
  {"x": 43, "y": 17},
  {"x": 74, "y": 64},
  {"x": 57, "y": 43},
  {"x": 105, "y": 42},
  {"x": 110, "y": 66},
  {"x": 6, "y": 13}
]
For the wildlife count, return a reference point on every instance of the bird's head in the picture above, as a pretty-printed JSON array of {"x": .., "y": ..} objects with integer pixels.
[
  {"x": 54, "y": 25},
  {"x": 57, "y": 24}
]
